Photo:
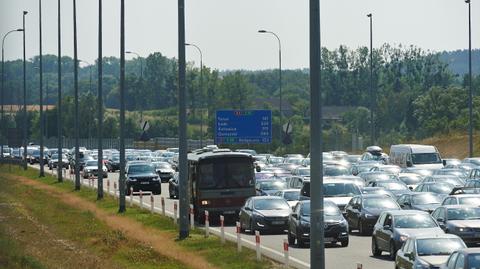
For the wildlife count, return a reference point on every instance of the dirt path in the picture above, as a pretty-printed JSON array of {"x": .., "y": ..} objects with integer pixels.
[{"x": 162, "y": 243}]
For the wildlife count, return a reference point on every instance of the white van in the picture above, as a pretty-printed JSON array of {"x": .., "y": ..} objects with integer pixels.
[{"x": 415, "y": 156}]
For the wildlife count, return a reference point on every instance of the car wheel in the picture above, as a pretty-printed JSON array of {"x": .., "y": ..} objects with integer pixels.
[
  {"x": 291, "y": 238},
  {"x": 375, "y": 250},
  {"x": 361, "y": 228},
  {"x": 251, "y": 227},
  {"x": 171, "y": 194},
  {"x": 300, "y": 241},
  {"x": 344, "y": 243},
  {"x": 393, "y": 251}
]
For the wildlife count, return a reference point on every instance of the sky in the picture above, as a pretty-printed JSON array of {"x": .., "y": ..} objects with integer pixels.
[{"x": 226, "y": 30}]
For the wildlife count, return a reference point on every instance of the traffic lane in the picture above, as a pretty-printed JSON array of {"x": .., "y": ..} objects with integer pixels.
[{"x": 358, "y": 250}]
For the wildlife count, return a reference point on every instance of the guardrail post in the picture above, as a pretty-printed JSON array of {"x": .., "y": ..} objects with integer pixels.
[
  {"x": 286, "y": 254},
  {"x": 108, "y": 185},
  {"x": 239, "y": 239},
  {"x": 152, "y": 204},
  {"x": 207, "y": 224},
  {"x": 175, "y": 212},
  {"x": 163, "y": 206},
  {"x": 192, "y": 217},
  {"x": 257, "y": 245},
  {"x": 115, "y": 189},
  {"x": 131, "y": 196},
  {"x": 141, "y": 199},
  {"x": 64, "y": 170},
  {"x": 359, "y": 266},
  {"x": 222, "y": 229}
]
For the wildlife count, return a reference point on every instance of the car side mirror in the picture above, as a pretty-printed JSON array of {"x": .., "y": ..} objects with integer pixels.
[
  {"x": 356, "y": 206},
  {"x": 410, "y": 256},
  {"x": 247, "y": 208},
  {"x": 410, "y": 188},
  {"x": 441, "y": 220},
  {"x": 409, "y": 164},
  {"x": 444, "y": 162},
  {"x": 387, "y": 227},
  {"x": 407, "y": 203},
  {"x": 258, "y": 169},
  {"x": 294, "y": 215}
]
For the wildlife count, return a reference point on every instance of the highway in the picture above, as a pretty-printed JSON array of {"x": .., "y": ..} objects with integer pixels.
[{"x": 337, "y": 257}]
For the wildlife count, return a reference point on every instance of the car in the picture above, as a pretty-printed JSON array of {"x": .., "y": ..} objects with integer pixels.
[
  {"x": 442, "y": 189},
  {"x": 362, "y": 167},
  {"x": 264, "y": 214},
  {"x": 301, "y": 171},
  {"x": 336, "y": 227},
  {"x": 142, "y": 176},
  {"x": 452, "y": 172},
  {"x": 113, "y": 163},
  {"x": 377, "y": 190},
  {"x": 339, "y": 191},
  {"x": 410, "y": 179},
  {"x": 164, "y": 170},
  {"x": 453, "y": 180},
  {"x": 269, "y": 187},
  {"x": 424, "y": 201},
  {"x": 377, "y": 176},
  {"x": 292, "y": 196},
  {"x": 91, "y": 169},
  {"x": 462, "y": 199},
  {"x": 173, "y": 186},
  {"x": 391, "y": 169},
  {"x": 362, "y": 211},
  {"x": 465, "y": 258},
  {"x": 461, "y": 220},
  {"x": 475, "y": 161},
  {"x": 53, "y": 162},
  {"x": 394, "y": 227},
  {"x": 394, "y": 186},
  {"x": 335, "y": 170},
  {"x": 427, "y": 251}
]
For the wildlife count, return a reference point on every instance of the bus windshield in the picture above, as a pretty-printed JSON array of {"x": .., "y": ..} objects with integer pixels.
[{"x": 225, "y": 173}]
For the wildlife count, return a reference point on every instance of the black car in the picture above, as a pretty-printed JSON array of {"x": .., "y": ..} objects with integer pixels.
[
  {"x": 264, "y": 214},
  {"x": 461, "y": 220},
  {"x": 173, "y": 186},
  {"x": 362, "y": 211},
  {"x": 424, "y": 201},
  {"x": 113, "y": 163},
  {"x": 336, "y": 227},
  {"x": 142, "y": 176}
]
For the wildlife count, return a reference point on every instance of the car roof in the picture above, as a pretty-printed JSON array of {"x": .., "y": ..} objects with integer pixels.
[
  {"x": 405, "y": 212},
  {"x": 433, "y": 236},
  {"x": 469, "y": 250},
  {"x": 335, "y": 180},
  {"x": 459, "y": 206},
  {"x": 254, "y": 198},
  {"x": 366, "y": 196}
]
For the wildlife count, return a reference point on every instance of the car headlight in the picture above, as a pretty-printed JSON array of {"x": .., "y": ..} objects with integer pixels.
[
  {"x": 87, "y": 170},
  {"x": 369, "y": 215},
  {"x": 464, "y": 230},
  {"x": 205, "y": 202},
  {"x": 132, "y": 179},
  {"x": 155, "y": 179},
  {"x": 344, "y": 222},
  {"x": 403, "y": 238},
  {"x": 422, "y": 265}
]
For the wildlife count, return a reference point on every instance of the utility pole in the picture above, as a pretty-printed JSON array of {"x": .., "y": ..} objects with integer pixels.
[
  {"x": 42, "y": 127},
  {"x": 470, "y": 92},
  {"x": 182, "y": 119},
  {"x": 100, "y": 105},
  {"x": 372, "y": 94},
  {"x": 75, "y": 81},
  {"x": 59, "y": 106},
  {"x": 25, "y": 125},
  {"x": 121, "y": 181},
  {"x": 317, "y": 240}
]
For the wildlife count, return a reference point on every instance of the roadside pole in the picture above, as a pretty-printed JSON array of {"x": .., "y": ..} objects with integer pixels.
[
  {"x": 317, "y": 249},
  {"x": 121, "y": 180},
  {"x": 100, "y": 104}
]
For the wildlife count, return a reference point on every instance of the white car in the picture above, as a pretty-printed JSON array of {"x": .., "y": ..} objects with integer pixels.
[{"x": 91, "y": 167}]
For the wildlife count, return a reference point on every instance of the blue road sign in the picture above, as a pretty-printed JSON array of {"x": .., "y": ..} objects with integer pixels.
[{"x": 243, "y": 127}]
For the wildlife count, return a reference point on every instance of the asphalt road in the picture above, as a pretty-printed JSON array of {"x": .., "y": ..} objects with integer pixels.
[{"x": 337, "y": 257}]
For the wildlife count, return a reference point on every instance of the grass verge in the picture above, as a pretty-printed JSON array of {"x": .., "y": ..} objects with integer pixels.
[{"x": 222, "y": 256}]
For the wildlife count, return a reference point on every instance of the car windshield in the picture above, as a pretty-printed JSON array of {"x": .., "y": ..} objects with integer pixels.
[
  {"x": 463, "y": 213},
  {"x": 163, "y": 166},
  {"x": 333, "y": 171},
  {"x": 441, "y": 188},
  {"x": 414, "y": 221},
  {"x": 395, "y": 186},
  {"x": 426, "y": 199},
  {"x": 474, "y": 260},
  {"x": 275, "y": 160},
  {"x": 140, "y": 169},
  {"x": 295, "y": 160},
  {"x": 91, "y": 163},
  {"x": 270, "y": 204},
  {"x": 291, "y": 195},
  {"x": 380, "y": 202},
  {"x": 454, "y": 181},
  {"x": 411, "y": 180},
  {"x": 438, "y": 246},
  {"x": 470, "y": 201},
  {"x": 426, "y": 158},
  {"x": 6, "y": 150},
  {"x": 340, "y": 189},
  {"x": 221, "y": 173},
  {"x": 303, "y": 172},
  {"x": 271, "y": 185},
  {"x": 394, "y": 170},
  {"x": 328, "y": 210}
]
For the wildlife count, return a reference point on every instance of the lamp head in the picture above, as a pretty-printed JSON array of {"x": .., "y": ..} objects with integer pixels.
[
  {"x": 19, "y": 30},
  {"x": 25, "y": 12},
  {"x": 369, "y": 15},
  {"x": 188, "y": 44},
  {"x": 128, "y": 52},
  {"x": 467, "y": 1},
  {"x": 262, "y": 31}
]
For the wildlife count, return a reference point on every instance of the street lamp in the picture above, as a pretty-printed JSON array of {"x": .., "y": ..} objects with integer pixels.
[
  {"x": 3, "y": 125},
  {"x": 141, "y": 79},
  {"x": 470, "y": 93},
  {"x": 59, "y": 95},
  {"x": 372, "y": 96},
  {"x": 279, "y": 74},
  {"x": 24, "y": 98},
  {"x": 201, "y": 88},
  {"x": 75, "y": 85}
]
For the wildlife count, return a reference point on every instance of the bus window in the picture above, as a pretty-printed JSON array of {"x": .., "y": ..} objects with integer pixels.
[{"x": 228, "y": 173}]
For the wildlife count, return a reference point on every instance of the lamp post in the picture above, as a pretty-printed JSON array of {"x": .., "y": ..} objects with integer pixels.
[
  {"x": 3, "y": 125},
  {"x": 100, "y": 104},
  {"x": 59, "y": 106},
  {"x": 75, "y": 81},
  {"x": 121, "y": 180},
  {"x": 372, "y": 95},
  {"x": 141, "y": 79},
  {"x": 279, "y": 75},
  {"x": 470, "y": 92},
  {"x": 42, "y": 127},
  {"x": 25, "y": 131},
  {"x": 201, "y": 88}
]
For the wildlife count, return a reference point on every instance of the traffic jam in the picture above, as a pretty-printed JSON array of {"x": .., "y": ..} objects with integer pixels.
[{"x": 420, "y": 211}]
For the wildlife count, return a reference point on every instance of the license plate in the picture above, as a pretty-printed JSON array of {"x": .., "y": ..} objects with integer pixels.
[
  {"x": 228, "y": 212},
  {"x": 329, "y": 239},
  {"x": 145, "y": 183},
  {"x": 278, "y": 222}
]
